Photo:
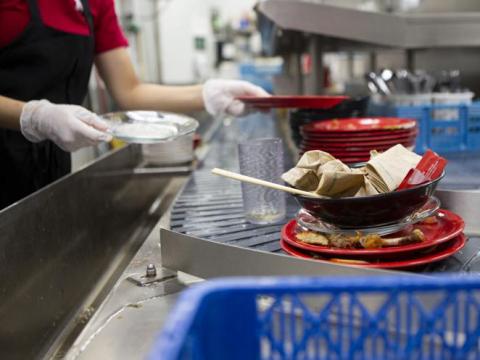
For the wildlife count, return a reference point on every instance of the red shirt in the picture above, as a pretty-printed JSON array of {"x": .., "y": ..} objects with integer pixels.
[{"x": 62, "y": 15}]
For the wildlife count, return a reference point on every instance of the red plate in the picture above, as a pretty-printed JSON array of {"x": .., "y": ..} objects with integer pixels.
[
  {"x": 351, "y": 135},
  {"x": 357, "y": 154},
  {"x": 353, "y": 160},
  {"x": 338, "y": 153},
  {"x": 335, "y": 152},
  {"x": 360, "y": 124},
  {"x": 350, "y": 160},
  {"x": 353, "y": 154},
  {"x": 310, "y": 102},
  {"x": 442, "y": 252},
  {"x": 357, "y": 143},
  {"x": 336, "y": 139},
  {"x": 347, "y": 152},
  {"x": 347, "y": 149},
  {"x": 448, "y": 226}
]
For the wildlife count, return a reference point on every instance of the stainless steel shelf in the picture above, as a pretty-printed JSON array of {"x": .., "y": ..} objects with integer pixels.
[{"x": 402, "y": 30}]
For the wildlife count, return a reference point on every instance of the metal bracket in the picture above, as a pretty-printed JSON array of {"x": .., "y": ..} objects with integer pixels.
[{"x": 161, "y": 275}]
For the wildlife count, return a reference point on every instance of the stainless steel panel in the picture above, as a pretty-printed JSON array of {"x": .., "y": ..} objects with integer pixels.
[
  {"x": 64, "y": 246},
  {"x": 406, "y": 30},
  {"x": 208, "y": 259}
]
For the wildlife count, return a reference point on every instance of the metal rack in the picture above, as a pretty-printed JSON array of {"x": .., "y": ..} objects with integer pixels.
[{"x": 421, "y": 36}]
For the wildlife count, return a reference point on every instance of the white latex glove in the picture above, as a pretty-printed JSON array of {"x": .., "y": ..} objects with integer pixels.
[
  {"x": 219, "y": 96},
  {"x": 71, "y": 127}
]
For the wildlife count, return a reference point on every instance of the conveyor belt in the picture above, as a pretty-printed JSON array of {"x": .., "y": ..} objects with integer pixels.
[{"x": 210, "y": 207}]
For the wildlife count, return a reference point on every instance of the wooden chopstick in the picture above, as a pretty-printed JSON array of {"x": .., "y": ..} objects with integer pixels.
[{"x": 255, "y": 181}]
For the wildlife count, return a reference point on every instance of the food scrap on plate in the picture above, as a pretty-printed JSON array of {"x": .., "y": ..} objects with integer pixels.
[{"x": 359, "y": 240}]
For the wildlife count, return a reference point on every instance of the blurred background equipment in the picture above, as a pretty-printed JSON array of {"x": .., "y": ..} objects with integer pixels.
[{"x": 424, "y": 67}]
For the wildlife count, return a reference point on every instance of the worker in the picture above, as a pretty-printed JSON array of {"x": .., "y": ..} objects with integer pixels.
[{"x": 47, "y": 49}]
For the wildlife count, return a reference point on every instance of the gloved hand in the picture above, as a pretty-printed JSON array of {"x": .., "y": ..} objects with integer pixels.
[
  {"x": 71, "y": 127},
  {"x": 219, "y": 96}
]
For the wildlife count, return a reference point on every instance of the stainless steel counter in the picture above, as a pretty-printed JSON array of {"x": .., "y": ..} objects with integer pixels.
[{"x": 127, "y": 323}]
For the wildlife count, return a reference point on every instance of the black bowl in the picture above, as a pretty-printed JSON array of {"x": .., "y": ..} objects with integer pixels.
[{"x": 356, "y": 212}]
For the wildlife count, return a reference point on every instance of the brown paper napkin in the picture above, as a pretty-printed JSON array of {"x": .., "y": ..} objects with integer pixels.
[
  {"x": 303, "y": 179},
  {"x": 367, "y": 189},
  {"x": 337, "y": 179},
  {"x": 319, "y": 172},
  {"x": 387, "y": 170},
  {"x": 314, "y": 159}
]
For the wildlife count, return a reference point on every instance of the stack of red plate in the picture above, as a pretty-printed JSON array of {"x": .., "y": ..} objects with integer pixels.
[
  {"x": 443, "y": 238},
  {"x": 351, "y": 140}
]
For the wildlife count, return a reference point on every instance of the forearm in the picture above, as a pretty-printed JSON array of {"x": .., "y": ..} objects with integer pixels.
[
  {"x": 166, "y": 98},
  {"x": 218, "y": 97},
  {"x": 10, "y": 111},
  {"x": 129, "y": 93}
]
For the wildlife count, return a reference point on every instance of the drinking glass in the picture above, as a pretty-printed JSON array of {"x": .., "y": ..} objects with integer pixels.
[{"x": 262, "y": 159}]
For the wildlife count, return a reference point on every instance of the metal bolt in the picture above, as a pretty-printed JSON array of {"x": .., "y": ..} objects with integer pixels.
[{"x": 151, "y": 271}]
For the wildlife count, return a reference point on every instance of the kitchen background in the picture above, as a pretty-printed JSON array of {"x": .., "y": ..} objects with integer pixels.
[{"x": 188, "y": 41}]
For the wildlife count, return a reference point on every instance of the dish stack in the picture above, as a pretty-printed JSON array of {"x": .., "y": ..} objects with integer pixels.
[
  {"x": 402, "y": 228},
  {"x": 347, "y": 109},
  {"x": 441, "y": 237},
  {"x": 351, "y": 140}
]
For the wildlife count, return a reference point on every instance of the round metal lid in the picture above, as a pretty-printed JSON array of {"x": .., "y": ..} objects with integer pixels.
[{"x": 147, "y": 127}]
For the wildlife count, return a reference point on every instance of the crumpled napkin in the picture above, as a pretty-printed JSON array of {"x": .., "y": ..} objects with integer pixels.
[
  {"x": 337, "y": 179},
  {"x": 314, "y": 159},
  {"x": 320, "y": 173},
  {"x": 387, "y": 170},
  {"x": 303, "y": 179}
]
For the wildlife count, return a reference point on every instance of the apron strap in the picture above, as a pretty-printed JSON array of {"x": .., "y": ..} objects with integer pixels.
[
  {"x": 88, "y": 16},
  {"x": 34, "y": 11}
]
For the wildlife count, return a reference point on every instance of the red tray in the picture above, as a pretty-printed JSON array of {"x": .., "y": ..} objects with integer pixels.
[
  {"x": 360, "y": 124},
  {"x": 310, "y": 102},
  {"x": 448, "y": 226},
  {"x": 442, "y": 252}
]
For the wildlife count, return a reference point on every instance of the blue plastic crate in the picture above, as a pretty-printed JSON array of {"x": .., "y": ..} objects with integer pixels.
[
  {"x": 392, "y": 317},
  {"x": 473, "y": 126},
  {"x": 443, "y": 128}
]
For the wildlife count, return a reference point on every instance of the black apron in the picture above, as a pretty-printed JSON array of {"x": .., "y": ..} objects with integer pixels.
[{"x": 43, "y": 63}]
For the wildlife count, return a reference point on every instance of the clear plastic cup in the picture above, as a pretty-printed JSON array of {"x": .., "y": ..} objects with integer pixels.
[{"x": 262, "y": 159}]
